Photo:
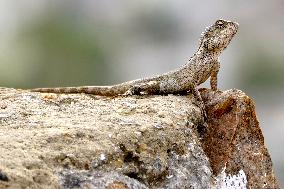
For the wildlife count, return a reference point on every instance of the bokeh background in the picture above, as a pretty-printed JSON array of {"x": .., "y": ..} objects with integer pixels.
[{"x": 100, "y": 42}]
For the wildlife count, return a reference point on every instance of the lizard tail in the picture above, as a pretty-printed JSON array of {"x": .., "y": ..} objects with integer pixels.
[{"x": 96, "y": 90}]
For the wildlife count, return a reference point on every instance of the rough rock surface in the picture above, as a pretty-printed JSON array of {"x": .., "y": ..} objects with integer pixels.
[
  {"x": 85, "y": 141},
  {"x": 234, "y": 142}
]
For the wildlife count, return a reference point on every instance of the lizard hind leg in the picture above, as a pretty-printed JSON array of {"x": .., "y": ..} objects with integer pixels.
[{"x": 151, "y": 87}]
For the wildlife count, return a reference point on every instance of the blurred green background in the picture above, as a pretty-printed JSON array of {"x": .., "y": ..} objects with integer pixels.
[{"x": 67, "y": 43}]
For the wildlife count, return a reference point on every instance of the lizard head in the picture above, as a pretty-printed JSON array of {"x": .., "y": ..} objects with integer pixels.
[{"x": 218, "y": 36}]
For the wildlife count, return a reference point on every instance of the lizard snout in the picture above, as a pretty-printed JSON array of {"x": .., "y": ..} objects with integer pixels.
[{"x": 234, "y": 26}]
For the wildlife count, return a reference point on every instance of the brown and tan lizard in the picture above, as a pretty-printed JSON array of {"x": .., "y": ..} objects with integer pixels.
[{"x": 202, "y": 65}]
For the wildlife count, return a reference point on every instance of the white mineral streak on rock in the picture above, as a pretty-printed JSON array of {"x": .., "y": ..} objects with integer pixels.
[{"x": 238, "y": 181}]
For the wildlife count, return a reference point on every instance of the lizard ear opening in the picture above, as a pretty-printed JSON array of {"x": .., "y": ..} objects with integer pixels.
[
  {"x": 213, "y": 44},
  {"x": 208, "y": 45}
]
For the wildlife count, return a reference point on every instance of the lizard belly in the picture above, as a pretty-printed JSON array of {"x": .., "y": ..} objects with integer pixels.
[
  {"x": 203, "y": 74},
  {"x": 204, "y": 78},
  {"x": 172, "y": 85}
]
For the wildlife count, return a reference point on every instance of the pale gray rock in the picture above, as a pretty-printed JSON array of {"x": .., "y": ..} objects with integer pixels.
[{"x": 86, "y": 141}]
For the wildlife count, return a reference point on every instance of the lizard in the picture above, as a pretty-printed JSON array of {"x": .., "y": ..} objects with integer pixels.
[{"x": 203, "y": 64}]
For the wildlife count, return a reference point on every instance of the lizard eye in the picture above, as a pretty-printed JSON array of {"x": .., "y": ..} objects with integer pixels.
[{"x": 219, "y": 23}]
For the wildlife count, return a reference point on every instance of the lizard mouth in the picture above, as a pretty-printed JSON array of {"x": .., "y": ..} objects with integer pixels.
[{"x": 234, "y": 27}]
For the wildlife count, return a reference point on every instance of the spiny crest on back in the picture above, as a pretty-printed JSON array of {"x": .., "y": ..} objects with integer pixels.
[{"x": 218, "y": 36}]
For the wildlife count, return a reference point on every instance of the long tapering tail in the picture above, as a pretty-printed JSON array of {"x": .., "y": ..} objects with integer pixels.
[{"x": 96, "y": 90}]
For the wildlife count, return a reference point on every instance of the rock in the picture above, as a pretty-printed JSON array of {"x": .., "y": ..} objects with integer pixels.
[
  {"x": 3, "y": 176},
  {"x": 86, "y": 141},
  {"x": 234, "y": 142},
  {"x": 98, "y": 179}
]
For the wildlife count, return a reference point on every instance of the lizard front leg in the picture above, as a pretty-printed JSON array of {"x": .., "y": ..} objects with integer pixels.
[{"x": 214, "y": 75}]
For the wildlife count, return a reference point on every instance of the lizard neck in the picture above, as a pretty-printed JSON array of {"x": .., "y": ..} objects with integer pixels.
[{"x": 205, "y": 53}]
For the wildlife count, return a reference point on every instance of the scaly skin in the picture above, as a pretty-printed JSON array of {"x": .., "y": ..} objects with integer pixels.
[{"x": 202, "y": 65}]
